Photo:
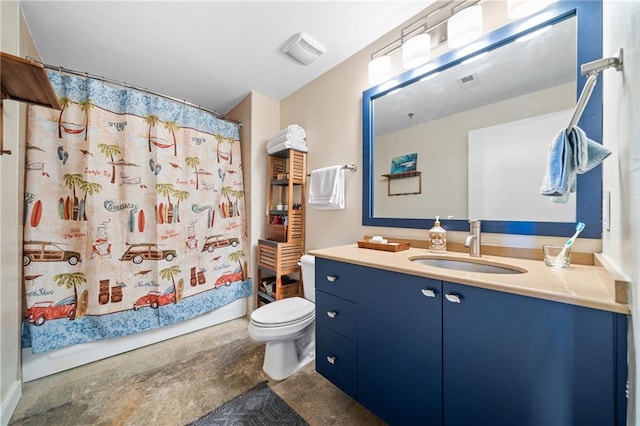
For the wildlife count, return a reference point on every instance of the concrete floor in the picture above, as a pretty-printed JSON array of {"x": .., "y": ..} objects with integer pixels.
[{"x": 175, "y": 382}]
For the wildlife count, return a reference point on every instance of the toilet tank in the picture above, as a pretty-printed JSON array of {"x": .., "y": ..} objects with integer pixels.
[{"x": 308, "y": 264}]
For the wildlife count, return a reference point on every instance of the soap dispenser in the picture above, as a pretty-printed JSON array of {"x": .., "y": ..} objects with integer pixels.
[{"x": 437, "y": 238}]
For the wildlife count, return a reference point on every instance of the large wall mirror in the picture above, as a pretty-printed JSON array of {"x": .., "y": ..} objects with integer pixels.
[{"x": 476, "y": 124}]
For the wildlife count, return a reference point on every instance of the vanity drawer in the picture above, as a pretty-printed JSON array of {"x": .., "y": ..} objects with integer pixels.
[
  {"x": 336, "y": 314},
  {"x": 336, "y": 359},
  {"x": 338, "y": 278}
]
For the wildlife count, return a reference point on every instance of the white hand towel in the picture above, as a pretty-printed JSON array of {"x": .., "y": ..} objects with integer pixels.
[{"x": 326, "y": 188}]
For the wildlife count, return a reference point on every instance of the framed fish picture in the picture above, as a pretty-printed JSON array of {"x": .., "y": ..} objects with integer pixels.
[{"x": 404, "y": 163}]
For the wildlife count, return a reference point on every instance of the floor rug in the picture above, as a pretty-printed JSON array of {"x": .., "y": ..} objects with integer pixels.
[{"x": 255, "y": 407}]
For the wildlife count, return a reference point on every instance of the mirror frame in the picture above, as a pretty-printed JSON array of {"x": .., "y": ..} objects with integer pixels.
[{"x": 589, "y": 189}]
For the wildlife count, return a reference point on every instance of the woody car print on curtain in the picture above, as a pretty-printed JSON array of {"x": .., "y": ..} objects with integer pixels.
[{"x": 134, "y": 214}]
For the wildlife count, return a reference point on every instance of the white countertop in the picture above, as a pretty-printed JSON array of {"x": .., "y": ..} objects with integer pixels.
[{"x": 582, "y": 285}]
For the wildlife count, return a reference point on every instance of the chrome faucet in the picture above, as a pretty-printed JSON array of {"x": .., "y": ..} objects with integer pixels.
[{"x": 473, "y": 240}]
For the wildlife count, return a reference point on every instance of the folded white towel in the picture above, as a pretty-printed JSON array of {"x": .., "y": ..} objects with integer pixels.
[
  {"x": 286, "y": 145},
  {"x": 286, "y": 137},
  {"x": 294, "y": 130},
  {"x": 326, "y": 188}
]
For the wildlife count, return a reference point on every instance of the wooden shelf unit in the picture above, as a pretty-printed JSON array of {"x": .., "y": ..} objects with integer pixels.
[
  {"x": 280, "y": 252},
  {"x": 287, "y": 170},
  {"x": 276, "y": 261}
]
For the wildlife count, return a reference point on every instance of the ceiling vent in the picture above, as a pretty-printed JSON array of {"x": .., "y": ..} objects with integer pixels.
[
  {"x": 303, "y": 49},
  {"x": 470, "y": 80}
]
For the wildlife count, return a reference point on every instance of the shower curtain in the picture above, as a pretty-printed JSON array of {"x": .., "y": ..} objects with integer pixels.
[{"x": 134, "y": 214}]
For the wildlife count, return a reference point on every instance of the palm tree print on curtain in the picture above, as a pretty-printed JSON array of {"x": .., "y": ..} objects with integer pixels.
[
  {"x": 107, "y": 225},
  {"x": 73, "y": 119},
  {"x": 194, "y": 162},
  {"x": 71, "y": 280}
]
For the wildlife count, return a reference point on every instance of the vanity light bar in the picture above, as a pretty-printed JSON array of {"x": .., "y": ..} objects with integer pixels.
[
  {"x": 420, "y": 26},
  {"x": 418, "y": 38}
]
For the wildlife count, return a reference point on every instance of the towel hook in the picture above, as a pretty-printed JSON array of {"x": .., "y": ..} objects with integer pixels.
[{"x": 591, "y": 69}]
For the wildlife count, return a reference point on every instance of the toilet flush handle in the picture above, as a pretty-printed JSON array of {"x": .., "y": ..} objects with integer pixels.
[
  {"x": 331, "y": 278},
  {"x": 331, "y": 359},
  {"x": 331, "y": 314}
]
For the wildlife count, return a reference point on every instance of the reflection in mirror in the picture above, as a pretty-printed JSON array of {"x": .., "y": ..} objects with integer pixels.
[
  {"x": 470, "y": 179},
  {"x": 481, "y": 130}
]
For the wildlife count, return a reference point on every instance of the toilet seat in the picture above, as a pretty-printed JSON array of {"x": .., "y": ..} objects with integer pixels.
[{"x": 283, "y": 313}]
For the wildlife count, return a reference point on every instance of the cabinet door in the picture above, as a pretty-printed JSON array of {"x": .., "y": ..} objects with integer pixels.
[
  {"x": 336, "y": 314},
  {"x": 336, "y": 359},
  {"x": 400, "y": 347},
  {"x": 515, "y": 360},
  {"x": 338, "y": 278}
]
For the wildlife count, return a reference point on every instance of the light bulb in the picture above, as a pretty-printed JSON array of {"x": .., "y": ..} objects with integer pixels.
[
  {"x": 519, "y": 8},
  {"x": 379, "y": 70},
  {"x": 465, "y": 26},
  {"x": 416, "y": 51}
]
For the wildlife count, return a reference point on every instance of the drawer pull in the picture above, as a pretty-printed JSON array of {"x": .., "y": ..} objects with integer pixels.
[
  {"x": 453, "y": 298},
  {"x": 331, "y": 359},
  {"x": 331, "y": 314},
  {"x": 428, "y": 292},
  {"x": 331, "y": 278}
]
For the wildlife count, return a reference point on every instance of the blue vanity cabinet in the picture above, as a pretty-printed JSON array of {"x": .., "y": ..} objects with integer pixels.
[
  {"x": 336, "y": 316},
  {"x": 516, "y": 360},
  {"x": 415, "y": 350},
  {"x": 400, "y": 347}
]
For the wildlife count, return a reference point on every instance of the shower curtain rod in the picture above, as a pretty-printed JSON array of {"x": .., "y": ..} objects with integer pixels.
[{"x": 140, "y": 89}]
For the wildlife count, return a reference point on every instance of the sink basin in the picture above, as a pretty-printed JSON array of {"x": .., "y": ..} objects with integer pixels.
[{"x": 469, "y": 266}]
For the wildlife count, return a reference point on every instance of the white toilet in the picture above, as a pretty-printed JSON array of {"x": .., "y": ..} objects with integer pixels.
[{"x": 288, "y": 328}]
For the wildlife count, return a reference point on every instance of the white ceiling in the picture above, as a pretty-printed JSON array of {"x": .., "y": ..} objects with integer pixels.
[{"x": 210, "y": 53}]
